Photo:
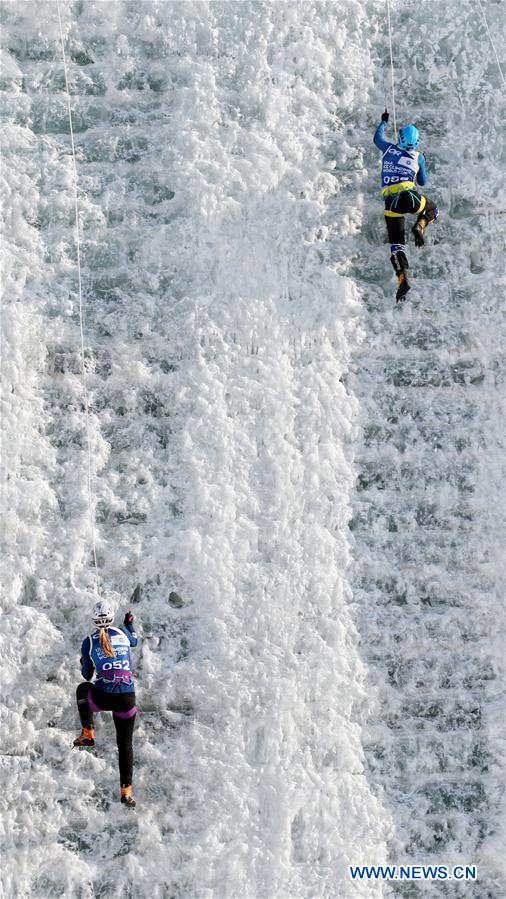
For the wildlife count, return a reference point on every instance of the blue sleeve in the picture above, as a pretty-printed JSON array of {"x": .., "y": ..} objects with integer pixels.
[
  {"x": 421, "y": 175},
  {"x": 132, "y": 636},
  {"x": 378, "y": 138},
  {"x": 86, "y": 663}
]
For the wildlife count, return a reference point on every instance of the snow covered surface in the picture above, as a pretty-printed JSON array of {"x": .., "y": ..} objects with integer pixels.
[{"x": 316, "y": 473}]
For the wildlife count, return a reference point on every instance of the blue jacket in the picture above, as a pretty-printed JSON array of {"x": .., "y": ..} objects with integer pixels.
[
  {"x": 114, "y": 675},
  {"x": 399, "y": 166}
]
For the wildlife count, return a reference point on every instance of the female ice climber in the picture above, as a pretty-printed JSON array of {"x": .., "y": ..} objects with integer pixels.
[
  {"x": 402, "y": 168},
  {"x": 106, "y": 653}
]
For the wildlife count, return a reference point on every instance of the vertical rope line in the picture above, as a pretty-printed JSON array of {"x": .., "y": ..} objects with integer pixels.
[
  {"x": 391, "y": 65},
  {"x": 81, "y": 317},
  {"x": 491, "y": 42}
]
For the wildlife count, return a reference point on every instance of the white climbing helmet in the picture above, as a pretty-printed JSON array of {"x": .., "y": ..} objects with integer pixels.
[{"x": 102, "y": 614}]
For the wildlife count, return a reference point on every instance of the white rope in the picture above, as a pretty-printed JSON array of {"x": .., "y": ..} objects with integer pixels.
[
  {"x": 391, "y": 65},
  {"x": 491, "y": 42},
  {"x": 81, "y": 317}
]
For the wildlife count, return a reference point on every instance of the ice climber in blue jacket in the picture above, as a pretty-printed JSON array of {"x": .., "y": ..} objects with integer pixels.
[
  {"x": 402, "y": 168},
  {"x": 106, "y": 654}
]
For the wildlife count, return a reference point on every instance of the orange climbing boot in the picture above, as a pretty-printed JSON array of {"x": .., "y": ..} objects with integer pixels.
[
  {"x": 86, "y": 737},
  {"x": 126, "y": 796}
]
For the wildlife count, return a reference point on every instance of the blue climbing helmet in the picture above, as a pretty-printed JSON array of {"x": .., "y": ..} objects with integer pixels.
[{"x": 408, "y": 137}]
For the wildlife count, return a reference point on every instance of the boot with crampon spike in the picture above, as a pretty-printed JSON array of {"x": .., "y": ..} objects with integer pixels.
[
  {"x": 418, "y": 231},
  {"x": 403, "y": 286},
  {"x": 126, "y": 797},
  {"x": 85, "y": 738}
]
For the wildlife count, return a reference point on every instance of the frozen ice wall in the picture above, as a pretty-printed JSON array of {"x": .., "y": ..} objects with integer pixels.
[{"x": 303, "y": 478}]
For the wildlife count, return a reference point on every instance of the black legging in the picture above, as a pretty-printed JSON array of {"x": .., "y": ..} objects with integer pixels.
[{"x": 118, "y": 704}]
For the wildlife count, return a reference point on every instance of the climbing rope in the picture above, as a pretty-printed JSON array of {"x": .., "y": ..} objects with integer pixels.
[
  {"x": 491, "y": 42},
  {"x": 81, "y": 317},
  {"x": 391, "y": 64}
]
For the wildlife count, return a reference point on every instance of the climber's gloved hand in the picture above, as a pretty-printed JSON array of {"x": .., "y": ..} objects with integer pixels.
[
  {"x": 129, "y": 620},
  {"x": 385, "y": 116}
]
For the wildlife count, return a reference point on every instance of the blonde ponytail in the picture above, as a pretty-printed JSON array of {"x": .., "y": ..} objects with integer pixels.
[{"x": 105, "y": 642}]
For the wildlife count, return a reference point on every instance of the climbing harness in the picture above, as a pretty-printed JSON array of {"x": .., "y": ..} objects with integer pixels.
[
  {"x": 491, "y": 42},
  {"x": 391, "y": 64},
  {"x": 81, "y": 317},
  {"x": 417, "y": 204}
]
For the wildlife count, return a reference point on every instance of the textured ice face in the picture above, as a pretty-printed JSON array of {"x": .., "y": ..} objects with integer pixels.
[{"x": 310, "y": 471}]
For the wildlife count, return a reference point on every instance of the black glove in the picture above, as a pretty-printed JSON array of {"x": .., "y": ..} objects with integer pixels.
[
  {"x": 384, "y": 117},
  {"x": 129, "y": 619}
]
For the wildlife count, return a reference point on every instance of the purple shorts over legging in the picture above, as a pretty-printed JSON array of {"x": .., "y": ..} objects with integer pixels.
[
  {"x": 123, "y": 708},
  {"x": 95, "y": 708}
]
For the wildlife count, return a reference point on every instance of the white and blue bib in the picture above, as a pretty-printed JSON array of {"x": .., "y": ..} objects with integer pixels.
[
  {"x": 112, "y": 671},
  {"x": 399, "y": 165}
]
